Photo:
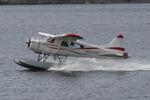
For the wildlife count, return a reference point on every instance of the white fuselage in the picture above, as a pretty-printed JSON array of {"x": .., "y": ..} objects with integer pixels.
[{"x": 72, "y": 48}]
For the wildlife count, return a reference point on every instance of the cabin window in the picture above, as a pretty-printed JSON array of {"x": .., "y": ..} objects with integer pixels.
[
  {"x": 72, "y": 44},
  {"x": 64, "y": 43},
  {"x": 76, "y": 45},
  {"x": 81, "y": 46}
]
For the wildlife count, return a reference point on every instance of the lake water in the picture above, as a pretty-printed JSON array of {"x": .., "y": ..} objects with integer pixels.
[{"x": 83, "y": 79}]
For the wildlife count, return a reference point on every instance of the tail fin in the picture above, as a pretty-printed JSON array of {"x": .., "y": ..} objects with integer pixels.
[{"x": 117, "y": 45}]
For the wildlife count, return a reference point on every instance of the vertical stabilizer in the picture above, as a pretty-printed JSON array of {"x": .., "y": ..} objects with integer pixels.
[
  {"x": 116, "y": 46},
  {"x": 117, "y": 42}
]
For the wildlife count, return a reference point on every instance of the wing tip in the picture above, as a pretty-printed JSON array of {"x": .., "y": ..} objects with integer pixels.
[
  {"x": 120, "y": 36},
  {"x": 74, "y": 35}
]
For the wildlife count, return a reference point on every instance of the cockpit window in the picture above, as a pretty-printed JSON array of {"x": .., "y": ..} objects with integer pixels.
[
  {"x": 51, "y": 41},
  {"x": 64, "y": 43}
]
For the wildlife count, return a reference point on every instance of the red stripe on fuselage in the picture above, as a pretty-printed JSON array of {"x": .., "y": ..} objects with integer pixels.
[
  {"x": 87, "y": 48},
  {"x": 74, "y": 48},
  {"x": 34, "y": 42},
  {"x": 57, "y": 48},
  {"x": 117, "y": 48}
]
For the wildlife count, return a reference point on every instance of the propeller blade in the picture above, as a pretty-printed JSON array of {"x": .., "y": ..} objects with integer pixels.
[{"x": 28, "y": 42}]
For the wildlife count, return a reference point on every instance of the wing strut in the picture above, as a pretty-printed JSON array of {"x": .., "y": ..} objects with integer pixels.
[
  {"x": 59, "y": 44},
  {"x": 61, "y": 59}
]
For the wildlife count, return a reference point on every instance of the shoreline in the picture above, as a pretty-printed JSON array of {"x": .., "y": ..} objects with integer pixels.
[{"x": 41, "y": 2}]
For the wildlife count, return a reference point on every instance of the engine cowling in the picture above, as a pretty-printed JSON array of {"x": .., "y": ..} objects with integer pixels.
[
  {"x": 34, "y": 45},
  {"x": 41, "y": 46}
]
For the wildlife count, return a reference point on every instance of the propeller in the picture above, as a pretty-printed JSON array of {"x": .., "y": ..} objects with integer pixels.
[{"x": 28, "y": 42}]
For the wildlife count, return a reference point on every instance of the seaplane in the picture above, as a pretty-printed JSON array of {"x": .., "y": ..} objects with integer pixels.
[{"x": 62, "y": 46}]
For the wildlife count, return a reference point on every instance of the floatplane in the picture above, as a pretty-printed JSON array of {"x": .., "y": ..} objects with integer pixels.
[{"x": 62, "y": 46}]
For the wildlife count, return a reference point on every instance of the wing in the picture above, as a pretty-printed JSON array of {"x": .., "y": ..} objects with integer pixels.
[
  {"x": 46, "y": 34},
  {"x": 59, "y": 40},
  {"x": 70, "y": 36}
]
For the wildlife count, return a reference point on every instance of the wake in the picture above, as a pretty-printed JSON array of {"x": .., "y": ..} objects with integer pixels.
[{"x": 103, "y": 65}]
